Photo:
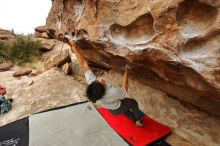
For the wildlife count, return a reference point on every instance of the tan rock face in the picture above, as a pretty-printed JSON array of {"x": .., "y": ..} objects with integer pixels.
[
  {"x": 47, "y": 44},
  {"x": 23, "y": 72},
  {"x": 44, "y": 32},
  {"x": 57, "y": 60},
  {"x": 34, "y": 94},
  {"x": 6, "y": 35},
  {"x": 170, "y": 45},
  {"x": 5, "y": 66}
]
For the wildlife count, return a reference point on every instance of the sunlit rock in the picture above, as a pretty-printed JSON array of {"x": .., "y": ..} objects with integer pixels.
[
  {"x": 22, "y": 72},
  {"x": 6, "y": 34},
  {"x": 6, "y": 65},
  {"x": 57, "y": 60}
]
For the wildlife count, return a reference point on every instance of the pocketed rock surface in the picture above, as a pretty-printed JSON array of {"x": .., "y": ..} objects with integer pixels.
[{"x": 170, "y": 45}]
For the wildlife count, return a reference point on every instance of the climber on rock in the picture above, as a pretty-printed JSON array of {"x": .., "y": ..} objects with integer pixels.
[{"x": 115, "y": 99}]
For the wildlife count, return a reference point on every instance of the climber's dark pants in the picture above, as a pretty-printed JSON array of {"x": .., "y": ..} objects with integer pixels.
[{"x": 130, "y": 108}]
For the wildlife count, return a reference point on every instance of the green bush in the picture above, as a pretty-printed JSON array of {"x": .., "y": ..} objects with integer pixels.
[
  {"x": 4, "y": 49},
  {"x": 22, "y": 50}
]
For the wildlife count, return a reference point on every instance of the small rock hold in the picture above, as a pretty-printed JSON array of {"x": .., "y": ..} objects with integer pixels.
[{"x": 30, "y": 82}]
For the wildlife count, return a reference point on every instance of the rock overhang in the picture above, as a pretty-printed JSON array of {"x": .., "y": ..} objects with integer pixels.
[{"x": 166, "y": 43}]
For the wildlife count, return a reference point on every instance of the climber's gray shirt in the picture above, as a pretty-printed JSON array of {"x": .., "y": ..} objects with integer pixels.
[{"x": 111, "y": 99}]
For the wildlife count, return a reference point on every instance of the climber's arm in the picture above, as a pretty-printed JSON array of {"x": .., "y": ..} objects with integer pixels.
[
  {"x": 82, "y": 61},
  {"x": 125, "y": 81}
]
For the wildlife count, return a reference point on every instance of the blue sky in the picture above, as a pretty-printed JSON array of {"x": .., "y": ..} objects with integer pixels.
[{"x": 23, "y": 15}]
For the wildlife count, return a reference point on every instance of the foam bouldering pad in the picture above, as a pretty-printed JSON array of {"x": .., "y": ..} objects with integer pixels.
[
  {"x": 137, "y": 136},
  {"x": 15, "y": 134}
]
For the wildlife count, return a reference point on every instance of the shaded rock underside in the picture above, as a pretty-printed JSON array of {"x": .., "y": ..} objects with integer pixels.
[{"x": 170, "y": 45}]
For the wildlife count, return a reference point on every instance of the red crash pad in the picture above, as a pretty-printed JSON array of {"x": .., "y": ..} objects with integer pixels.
[{"x": 137, "y": 136}]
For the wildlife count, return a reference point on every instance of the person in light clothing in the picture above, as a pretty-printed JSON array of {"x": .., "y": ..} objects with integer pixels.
[{"x": 115, "y": 99}]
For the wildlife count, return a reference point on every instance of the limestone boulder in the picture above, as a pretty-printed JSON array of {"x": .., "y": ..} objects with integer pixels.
[
  {"x": 45, "y": 35},
  {"x": 47, "y": 44},
  {"x": 35, "y": 72},
  {"x": 41, "y": 29},
  {"x": 170, "y": 45},
  {"x": 34, "y": 94},
  {"x": 50, "y": 47},
  {"x": 57, "y": 60},
  {"x": 44, "y": 32},
  {"x": 6, "y": 35},
  {"x": 22, "y": 72},
  {"x": 6, "y": 66}
]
